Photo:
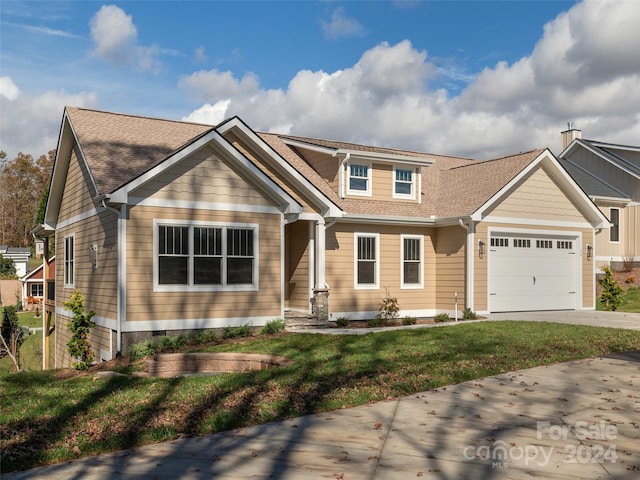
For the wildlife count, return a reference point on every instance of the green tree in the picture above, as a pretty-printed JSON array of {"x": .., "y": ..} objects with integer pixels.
[
  {"x": 80, "y": 326},
  {"x": 7, "y": 269},
  {"x": 611, "y": 291}
]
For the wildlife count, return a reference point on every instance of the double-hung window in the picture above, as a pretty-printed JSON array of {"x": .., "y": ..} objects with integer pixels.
[
  {"x": 403, "y": 184},
  {"x": 614, "y": 230},
  {"x": 205, "y": 257},
  {"x": 359, "y": 182},
  {"x": 412, "y": 261},
  {"x": 367, "y": 266},
  {"x": 69, "y": 261}
]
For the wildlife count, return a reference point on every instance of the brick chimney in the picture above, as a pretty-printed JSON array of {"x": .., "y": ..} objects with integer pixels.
[{"x": 569, "y": 135}]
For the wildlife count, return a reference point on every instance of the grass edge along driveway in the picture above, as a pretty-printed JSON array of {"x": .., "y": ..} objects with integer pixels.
[{"x": 47, "y": 419}]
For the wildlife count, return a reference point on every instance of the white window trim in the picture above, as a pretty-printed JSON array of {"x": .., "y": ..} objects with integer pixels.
[
  {"x": 157, "y": 287},
  {"x": 615, "y": 242},
  {"x": 66, "y": 283},
  {"x": 420, "y": 284},
  {"x": 366, "y": 286},
  {"x": 414, "y": 175},
  {"x": 362, "y": 193}
]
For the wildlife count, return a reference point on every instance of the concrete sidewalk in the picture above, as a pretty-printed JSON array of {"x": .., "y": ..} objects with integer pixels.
[{"x": 572, "y": 420}]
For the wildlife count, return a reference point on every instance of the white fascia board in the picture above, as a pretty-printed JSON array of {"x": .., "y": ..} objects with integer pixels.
[
  {"x": 328, "y": 207},
  {"x": 212, "y": 137},
  {"x": 617, "y": 200},
  {"x": 308, "y": 146},
  {"x": 387, "y": 220},
  {"x": 382, "y": 157},
  {"x": 66, "y": 140},
  {"x": 571, "y": 188}
]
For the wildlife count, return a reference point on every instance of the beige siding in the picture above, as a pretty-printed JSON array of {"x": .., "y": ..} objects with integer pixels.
[
  {"x": 344, "y": 297},
  {"x": 271, "y": 172},
  {"x": 629, "y": 231},
  {"x": 326, "y": 165},
  {"x": 382, "y": 182},
  {"x": 97, "y": 285},
  {"x": 99, "y": 339},
  {"x": 481, "y": 272},
  {"x": 450, "y": 267},
  {"x": 202, "y": 177},
  {"x": 538, "y": 197},
  {"x": 145, "y": 304},
  {"x": 297, "y": 287},
  {"x": 78, "y": 193}
]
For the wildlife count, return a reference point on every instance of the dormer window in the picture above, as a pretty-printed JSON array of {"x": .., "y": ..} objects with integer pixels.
[
  {"x": 359, "y": 179},
  {"x": 403, "y": 185}
]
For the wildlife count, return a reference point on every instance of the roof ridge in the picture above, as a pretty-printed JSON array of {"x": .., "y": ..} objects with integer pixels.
[
  {"x": 142, "y": 117},
  {"x": 484, "y": 162},
  {"x": 363, "y": 145}
]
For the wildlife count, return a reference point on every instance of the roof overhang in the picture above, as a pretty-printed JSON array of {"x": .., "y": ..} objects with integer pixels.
[
  {"x": 286, "y": 203},
  {"x": 591, "y": 212},
  {"x": 327, "y": 207},
  {"x": 378, "y": 157}
]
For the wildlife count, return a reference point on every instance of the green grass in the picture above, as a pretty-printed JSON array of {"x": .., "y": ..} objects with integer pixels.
[
  {"x": 45, "y": 419},
  {"x": 630, "y": 301},
  {"x": 31, "y": 349}
]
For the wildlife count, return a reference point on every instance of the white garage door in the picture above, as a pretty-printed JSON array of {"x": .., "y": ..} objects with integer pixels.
[{"x": 532, "y": 273}]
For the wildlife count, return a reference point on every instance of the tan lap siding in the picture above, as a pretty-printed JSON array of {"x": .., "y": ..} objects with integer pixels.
[
  {"x": 297, "y": 286},
  {"x": 99, "y": 339},
  {"x": 145, "y": 304},
  {"x": 340, "y": 269},
  {"x": 78, "y": 192},
  {"x": 538, "y": 197},
  {"x": 450, "y": 267}
]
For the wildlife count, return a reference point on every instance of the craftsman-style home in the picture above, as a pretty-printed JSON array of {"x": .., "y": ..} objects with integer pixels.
[{"x": 168, "y": 226}]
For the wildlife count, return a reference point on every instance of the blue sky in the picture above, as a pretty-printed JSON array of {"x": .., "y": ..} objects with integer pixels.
[{"x": 479, "y": 79}]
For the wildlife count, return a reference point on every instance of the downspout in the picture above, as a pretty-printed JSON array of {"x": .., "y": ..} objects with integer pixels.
[
  {"x": 469, "y": 300},
  {"x": 121, "y": 261},
  {"x": 341, "y": 175}
]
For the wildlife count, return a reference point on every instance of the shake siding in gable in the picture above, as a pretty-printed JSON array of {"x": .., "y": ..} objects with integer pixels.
[
  {"x": 344, "y": 297},
  {"x": 538, "y": 197},
  {"x": 202, "y": 177},
  {"x": 145, "y": 304}
]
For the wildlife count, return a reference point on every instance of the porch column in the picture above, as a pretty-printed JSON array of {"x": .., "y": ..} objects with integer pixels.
[{"x": 320, "y": 290}]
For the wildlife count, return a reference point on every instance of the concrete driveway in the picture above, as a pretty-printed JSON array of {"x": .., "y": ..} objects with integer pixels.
[{"x": 582, "y": 317}]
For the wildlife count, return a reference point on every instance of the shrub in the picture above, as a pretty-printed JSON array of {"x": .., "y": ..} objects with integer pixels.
[
  {"x": 611, "y": 291},
  {"x": 79, "y": 326},
  {"x": 203, "y": 336},
  {"x": 388, "y": 310},
  {"x": 376, "y": 322},
  {"x": 409, "y": 320},
  {"x": 243, "y": 330},
  {"x": 12, "y": 336},
  {"x": 343, "y": 322},
  {"x": 142, "y": 349},
  {"x": 274, "y": 326},
  {"x": 442, "y": 317},
  {"x": 469, "y": 314}
]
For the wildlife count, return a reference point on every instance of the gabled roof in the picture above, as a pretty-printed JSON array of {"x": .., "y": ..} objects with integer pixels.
[
  {"x": 592, "y": 185},
  {"x": 609, "y": 152}
]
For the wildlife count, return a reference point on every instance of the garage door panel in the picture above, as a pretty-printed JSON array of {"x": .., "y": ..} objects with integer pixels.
[{"x": 537, "y": 274}]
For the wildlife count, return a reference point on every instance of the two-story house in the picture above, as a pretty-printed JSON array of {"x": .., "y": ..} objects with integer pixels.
[
  {"x": 610, "y": 174},
  {"x": 168, "y": 227}
]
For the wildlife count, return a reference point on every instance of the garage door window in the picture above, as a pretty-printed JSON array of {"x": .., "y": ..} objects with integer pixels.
[
  {"x": 544, "y": 244},
  {"x": 522, "y": 243},
  {"x": 499, "y": 242},
  {"x": 565, "y": 245}
]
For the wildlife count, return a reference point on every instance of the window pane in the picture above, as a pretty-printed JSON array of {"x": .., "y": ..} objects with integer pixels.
[
  {"x": 207, "y": 271},
  {"x": 207, "y": 241},
  {"x": 403, "y": 188},
  {"x": 412, "y": 249},
  {"x": 366, "y": 248},
  {"x": 358, "y": 184},
  {"x": 359, "y": 170},
  {"x": 173, "y": 240},
  {"x": 366, "y": 272},
  {"x": 239, "y": 271},
  {"x": 614, "y": 232},
  {"x": 403, "y": 175},
  {"x": 172, "y": 270},
  {"x": 240, "y": 242},
  {"x": 411, "y": 272}
]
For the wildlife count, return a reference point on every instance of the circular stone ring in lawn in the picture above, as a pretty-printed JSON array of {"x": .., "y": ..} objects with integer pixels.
[{"x": 176, "y": 364}]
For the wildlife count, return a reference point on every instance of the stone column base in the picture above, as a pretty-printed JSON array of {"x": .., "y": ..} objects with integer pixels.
[{"x": 320, "y": 303}]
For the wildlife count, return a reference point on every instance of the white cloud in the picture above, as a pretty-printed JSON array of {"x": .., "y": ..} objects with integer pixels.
[
  {"x": 8, "y": 89},
  {"x": 116, "y": 40},
  {"x": 31, "y": 123},
  {"x": 341, "y": 26},
  {"x": 200, "y": 55},
  {"x": 585, "y": 68}
]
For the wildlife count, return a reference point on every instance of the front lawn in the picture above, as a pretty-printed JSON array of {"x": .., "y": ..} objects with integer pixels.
[{"x": 50, "y": 416}]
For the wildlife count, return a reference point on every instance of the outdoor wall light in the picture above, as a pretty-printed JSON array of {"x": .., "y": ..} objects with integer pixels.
[
  {"x": 589, "y": 251},
  {"x": 481, "y": 245}
]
